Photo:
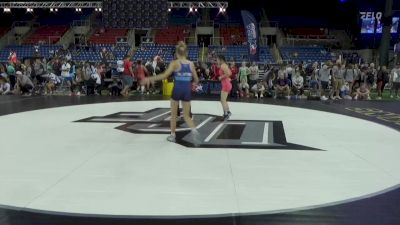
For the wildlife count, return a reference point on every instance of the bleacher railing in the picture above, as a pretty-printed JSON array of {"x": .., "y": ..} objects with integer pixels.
[
  {"x": 81, "y": 23},
  {"x": 205, "y": 23},
  {"x": 217, "y": 41}
]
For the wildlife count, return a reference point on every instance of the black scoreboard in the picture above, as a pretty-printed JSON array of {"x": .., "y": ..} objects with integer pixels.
[{"x": 140, "y": 14}]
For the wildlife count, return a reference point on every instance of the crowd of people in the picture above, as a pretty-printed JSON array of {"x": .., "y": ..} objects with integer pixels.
[{"x": 329, "y": 80}]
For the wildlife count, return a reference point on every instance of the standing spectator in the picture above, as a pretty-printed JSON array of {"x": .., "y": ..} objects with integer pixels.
[
  {"x": 234, "y": 80},
  {"x": 39, "y": 71},
  {"x": 120, "y": 67},
  {"x": 338, "y": 79},
  {"x": 13, "y": 57},
  {"x": 127, "y": 77},
  {"x": 243, "y": 76},
  {"x": 282, "y": 85},
  {"x": 381, "y": 80},
  {"x": 11, "y": 75},
  {"x": 254, "y": 74},
  {"x": 141, "y": 73},
  {"x": 349, "y": 76},
  {"x": 323, "y": 77},
  {"x": 244, "y": 70},
  {"x": 298, "y": 84},
  {"x": 395, "y": 80}
]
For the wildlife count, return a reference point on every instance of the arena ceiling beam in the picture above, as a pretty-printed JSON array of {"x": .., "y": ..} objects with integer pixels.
[{"x": 98, "y": 4}]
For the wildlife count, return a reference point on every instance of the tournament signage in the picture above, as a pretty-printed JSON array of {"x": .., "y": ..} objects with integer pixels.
[
  {"x": 252, "y": 33},
  {"x": 371, "y": 15}
]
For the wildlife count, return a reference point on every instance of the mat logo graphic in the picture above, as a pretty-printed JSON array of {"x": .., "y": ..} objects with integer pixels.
[{"x": 214, "y": 132}]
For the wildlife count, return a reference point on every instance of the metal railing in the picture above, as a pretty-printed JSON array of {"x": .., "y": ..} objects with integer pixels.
[{"x": 217, "y": 41}]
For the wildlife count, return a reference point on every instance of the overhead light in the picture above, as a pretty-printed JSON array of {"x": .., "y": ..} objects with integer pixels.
[
  {"x": 56, "y": 10},
  {"x": 29, "y": 10},
  {"x": 100, "y": 9},
  {"x": 7, "y": 10},
  {"x": 51, "y": 10},
  {"x": 169, "y": 9},
  {"x": 96, "y": 9},
  {"x": 223, "y": 10},
  {"x": 195, "y": 9},
  {"x": 191, "y": 9},
  {"x": 220, "y": 9},
  {"x": 78, "y": 10}
]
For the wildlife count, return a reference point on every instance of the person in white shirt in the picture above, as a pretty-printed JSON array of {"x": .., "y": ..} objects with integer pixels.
[
  {"x": 258, "y": 89},
  {"x": 65, "y": 69},
  {"x": 120, "y": 67},
  {"x": 5, "y": 86},
  {"x": 298, "y": 84},
  {"x": 254, "y": 74}
]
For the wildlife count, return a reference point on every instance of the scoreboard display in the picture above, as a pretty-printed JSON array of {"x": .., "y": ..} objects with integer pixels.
[{"x": 139, "y": 14}]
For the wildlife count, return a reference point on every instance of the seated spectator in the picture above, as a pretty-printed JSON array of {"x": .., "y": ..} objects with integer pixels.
[
  {"x": 24, "y": 84},
  {"x": 5, "y": 87},
  {"x": 362, "y": 93},
  {"x": 345, "y": 92},
  {"x": 115, "y": 87},
  {"x": 258, "y": 89},
  {"x": 298, "y": 84},
  {"x": 282, "y": 85},
  {"x": 51, "y": 84}
]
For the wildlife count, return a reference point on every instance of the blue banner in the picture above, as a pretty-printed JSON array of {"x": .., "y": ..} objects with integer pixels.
[{"x": 252, "y": 33}]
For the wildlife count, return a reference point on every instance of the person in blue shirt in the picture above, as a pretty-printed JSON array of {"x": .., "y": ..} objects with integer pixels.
[{"x": 184, "y": 74}]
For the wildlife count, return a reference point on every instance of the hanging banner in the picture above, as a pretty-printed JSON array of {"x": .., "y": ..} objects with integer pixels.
[{"x": 252, "y": 33}]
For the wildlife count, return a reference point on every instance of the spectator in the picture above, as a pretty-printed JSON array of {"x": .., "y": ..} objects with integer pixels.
[
  {"x": 13, "y": 57},
  {"x": 5, "y": 87},
  {"x": 338, "y": 79},
  {"x": 24, "y": 84},
  {"x": 314, "y": 82},
  {"x": 362, "y": 93},
  {"x": 395, "y": 80},
  {"x": 141, "y": 72},
  {"x": 115, "y": 87},
  {"x": 323, "y": 77},
  {"x": 234, "y": 79},
  {"x": 298, "y": 84},
  {"x": 258, "y": 89},
  {"x": 282, "y": 85},
  {"x": 254, "y": 74},
  {"x": 51, "y": 84},
  {"x": 349, "y": 76},
  {"x": 11, "y": 75},
  {"x": 243, "y": 75},
  {"x": 120, "y": 67},
  {"x": 381, "y": 80},
  {"x": 128, "y": 75},
  {"x": 38, "y": 70}
]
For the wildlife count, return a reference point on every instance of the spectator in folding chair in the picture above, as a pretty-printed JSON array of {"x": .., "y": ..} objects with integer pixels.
[{"x": 282, "y": 85}]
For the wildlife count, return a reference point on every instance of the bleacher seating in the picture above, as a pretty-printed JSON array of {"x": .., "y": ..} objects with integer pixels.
[
  {"x": 93, "y": 55},
  {"x": 233, "y": 35},
  {"x": 149, "y": 51},
  {"x": 24, "y": 51},
  {"x": 107, "y": 36},
  {"x": 236, "y": 53},
  {"x": 299, "y": 54},
  {"x": 239, "y": 53},
  {"x": 171, "y": 35},
  {"x": 266, "y": 55},
  {"x": 47, "y": 34}
]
